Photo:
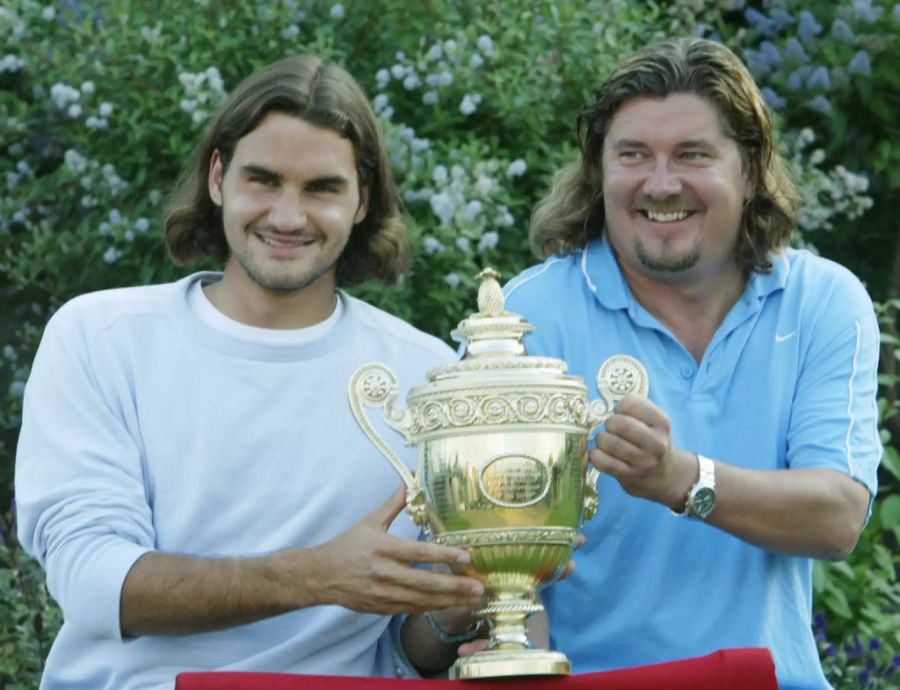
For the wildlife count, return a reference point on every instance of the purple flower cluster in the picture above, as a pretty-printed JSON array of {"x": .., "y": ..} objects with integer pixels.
[
  {"x": 855, "y": 664},
  {"x": 790, "y": 55}
]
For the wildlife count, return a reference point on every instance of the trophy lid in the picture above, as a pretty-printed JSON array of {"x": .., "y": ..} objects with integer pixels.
[
  {"x": 492, "y": 340},
  {"x": 492, "y": 331}
]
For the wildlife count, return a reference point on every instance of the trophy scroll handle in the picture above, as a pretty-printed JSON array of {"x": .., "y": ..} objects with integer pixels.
[
  {"x": 375, "y": 385},
  {"x": 620, "y": 375}
]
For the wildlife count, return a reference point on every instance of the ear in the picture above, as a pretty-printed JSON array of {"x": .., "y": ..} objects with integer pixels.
[
  {"x": 214, "y": 180},
  {"x": 363, "y": 209}
]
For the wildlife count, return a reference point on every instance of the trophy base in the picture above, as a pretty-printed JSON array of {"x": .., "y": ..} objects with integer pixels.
[{"x": 498, "y": 663}]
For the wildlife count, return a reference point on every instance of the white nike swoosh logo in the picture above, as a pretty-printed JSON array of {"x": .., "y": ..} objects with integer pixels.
[{"x": 781, "y": 338}]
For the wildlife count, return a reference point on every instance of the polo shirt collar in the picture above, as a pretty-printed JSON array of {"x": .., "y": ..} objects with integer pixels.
[{"x": 604, "y": 277}]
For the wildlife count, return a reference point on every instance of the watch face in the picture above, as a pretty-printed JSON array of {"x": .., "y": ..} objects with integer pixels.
[{"x": 702, "y": 502}]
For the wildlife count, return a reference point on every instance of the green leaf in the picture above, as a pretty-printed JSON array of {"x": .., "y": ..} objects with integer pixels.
[{"x": 890, "y": 511}]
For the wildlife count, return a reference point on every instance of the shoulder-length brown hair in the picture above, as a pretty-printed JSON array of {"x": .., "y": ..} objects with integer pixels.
[
  {"x": 324, "y": 95},
  {"x": 572, "y": 214}
]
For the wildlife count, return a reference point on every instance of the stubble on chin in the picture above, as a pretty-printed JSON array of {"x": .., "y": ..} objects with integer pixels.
[{"x": 667, "y": 261}]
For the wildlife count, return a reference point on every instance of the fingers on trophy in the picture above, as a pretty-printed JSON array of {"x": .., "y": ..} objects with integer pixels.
[{"x": 502, "y": 467}]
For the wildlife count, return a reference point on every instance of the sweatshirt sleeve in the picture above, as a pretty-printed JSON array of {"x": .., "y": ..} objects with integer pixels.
[{"x": 81, "y": 503}]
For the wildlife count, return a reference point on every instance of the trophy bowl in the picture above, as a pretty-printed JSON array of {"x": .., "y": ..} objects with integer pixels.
[{"x": 502, "y": 469}]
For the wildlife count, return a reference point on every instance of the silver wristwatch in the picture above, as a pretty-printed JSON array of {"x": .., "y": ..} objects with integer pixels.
[{"x": 701, "y": 498}]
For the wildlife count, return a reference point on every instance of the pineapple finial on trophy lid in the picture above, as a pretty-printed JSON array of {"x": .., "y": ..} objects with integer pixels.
[
  {"x": 490, "y": 295},
  {"x": 492, "y": 331}
]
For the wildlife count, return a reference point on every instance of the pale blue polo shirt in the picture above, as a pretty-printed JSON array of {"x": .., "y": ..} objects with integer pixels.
[{"x": 788, "y": 380}]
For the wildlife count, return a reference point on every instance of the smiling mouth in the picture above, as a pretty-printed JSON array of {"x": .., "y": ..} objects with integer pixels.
[
  {"x": 286, "y": 241},
  {"x": 667, "y": 217}
]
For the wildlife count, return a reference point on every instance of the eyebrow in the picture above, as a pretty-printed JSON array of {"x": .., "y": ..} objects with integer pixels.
[
  {"x": 624, "y": 144},
  {"x": 251, "y": 170}
]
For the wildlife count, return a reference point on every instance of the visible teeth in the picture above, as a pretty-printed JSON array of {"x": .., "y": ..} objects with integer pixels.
[
  {"x": 667, "y": 217},
  {"x": 279, "y": 243}
]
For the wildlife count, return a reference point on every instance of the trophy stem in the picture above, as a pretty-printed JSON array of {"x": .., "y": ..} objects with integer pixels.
[{"x": 509, "y": 652}]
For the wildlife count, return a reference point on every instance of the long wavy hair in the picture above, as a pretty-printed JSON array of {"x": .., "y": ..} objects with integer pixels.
[
  {"x": 572, "y": 213},
  {"x": 324, "y": 95}
]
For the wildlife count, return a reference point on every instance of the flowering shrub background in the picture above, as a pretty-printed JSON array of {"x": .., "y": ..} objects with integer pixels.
[{"x": 102, "y": 101}]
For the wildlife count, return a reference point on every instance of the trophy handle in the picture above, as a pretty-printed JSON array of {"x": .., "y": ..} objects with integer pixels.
[
  {"x": 375, "y": 385},
  {"x": 620, "y": 375}
]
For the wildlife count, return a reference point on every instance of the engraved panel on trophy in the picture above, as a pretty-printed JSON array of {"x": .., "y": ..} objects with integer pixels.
[{"x": 512, "y": 480}]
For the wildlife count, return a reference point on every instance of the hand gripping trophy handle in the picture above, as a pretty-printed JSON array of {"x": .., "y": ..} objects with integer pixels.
[
  {"x": 375, "y": 385},
  {"x": 619, "y": 376}
]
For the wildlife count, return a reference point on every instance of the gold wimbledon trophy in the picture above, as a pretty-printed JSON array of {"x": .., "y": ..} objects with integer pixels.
[{"x": 502, "y": 468}]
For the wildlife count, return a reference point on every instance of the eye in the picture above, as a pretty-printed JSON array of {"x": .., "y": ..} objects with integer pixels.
[
  {"x": 631, "y": 155},
  {"x": 326, "y": 187},
  {"x": 694, "y": 155},
  {"x": 264, "y": 180}
]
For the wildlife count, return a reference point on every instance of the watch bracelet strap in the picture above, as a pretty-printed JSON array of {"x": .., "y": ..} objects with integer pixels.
[
  {"x": 706, "y": 475},
  {"x": 444, "y": 636}
]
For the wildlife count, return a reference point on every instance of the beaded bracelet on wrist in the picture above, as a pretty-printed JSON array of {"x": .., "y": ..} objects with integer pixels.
[{"x": 443, "y": 636}]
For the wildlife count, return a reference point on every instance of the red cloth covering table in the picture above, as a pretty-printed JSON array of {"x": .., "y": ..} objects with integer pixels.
[{"x": 727, "y": 669}]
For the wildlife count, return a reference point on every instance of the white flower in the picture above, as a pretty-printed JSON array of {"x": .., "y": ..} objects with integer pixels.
[
  {"x": 439, "y": 174},
  {"x": 11, "y": 63},
  {"x": 142, "y": 225},
  {"x": 484, "y": 185},
  {"x": 399, "y": 71},
  {"x": 198, "y": 117},
  {"x": 430, "y": 97},
  {"x": 48, "y": 13},
  {"x": 75, "y": 161},
  {"x": 469, "y": 104},
  {"x": 488, "y": 241},
  {"x": 411, "y": 82},
  {"x": 417, "y": 145},
  {"x": 380, "y": 102},
  {"x": 63, "y": 95},
  {"x": 155, "y": 197},
  {"x": 432, "y": 245},
  {"x": 87, "y": 87},
  {"x": 435, "y": 52},
  {"x": 290, "y": 32},
  {"x": 111, "y": 255},
  {"x": 105, "y": 228},
  {"x": 10, "y": 353},
  {"x": 516, "y": 168},
  {"x": 115, "y": 216},
  {"x": 443, "y": 206},
  {"x": 457, "y": 172},
  {"x": 449, "y": 46},
  {"x": 505, "y": 219},
  {"x": 106, "y": 109},
  {"x": 17, "y": 389},
  {"x": 452, "y": 279},
  {"x": 485, "y": 45},
  {"x": 337, "y": 11},
  {"x": 476, "y": 61},
  {"x": 473, "y": 209},
  {"x": 382, "y": 77},
  {"x": 463, "y": 244}
]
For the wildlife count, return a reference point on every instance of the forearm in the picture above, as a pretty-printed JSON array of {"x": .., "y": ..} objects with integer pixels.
[
  {"x": 805, "y": 512},
  {"x": 166, "y": 594},
  {"x": 422, "y": 646}
]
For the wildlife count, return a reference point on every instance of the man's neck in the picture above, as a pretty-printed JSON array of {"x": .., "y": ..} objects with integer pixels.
[
  {"x": 242, "y": 300},
  {"x": 691, "y": 310}
]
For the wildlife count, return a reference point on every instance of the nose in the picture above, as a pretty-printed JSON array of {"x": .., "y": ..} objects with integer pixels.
[
  {"x": 288, "y": 212},
  {"x": 662, "y": 182}
]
